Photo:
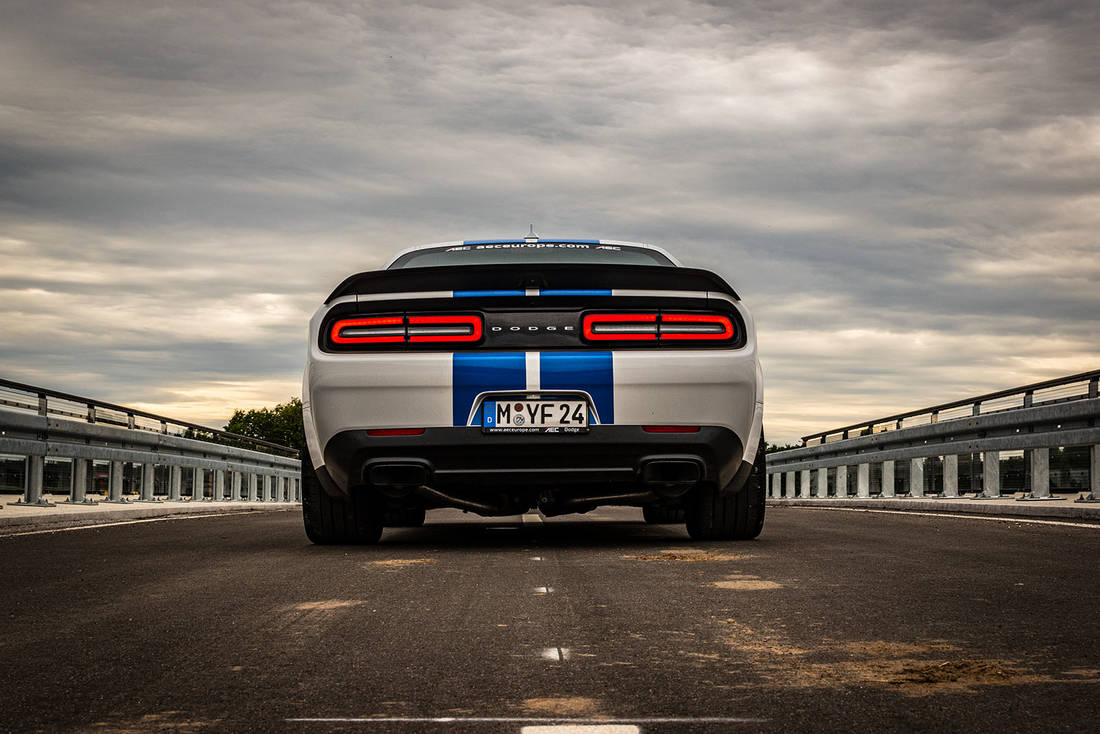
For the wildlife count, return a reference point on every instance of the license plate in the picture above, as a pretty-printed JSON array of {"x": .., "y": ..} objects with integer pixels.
[{"x": 534, "y": 416}]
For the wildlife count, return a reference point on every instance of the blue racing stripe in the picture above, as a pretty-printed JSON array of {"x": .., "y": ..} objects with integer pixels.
[
  {"x": 473, "y": 373},
  {"x": 577, "y": 292},
  {"x": 588, "y": 371},
  {"x": 491, "y": 242},
  {"x": 476, "y": 294}
]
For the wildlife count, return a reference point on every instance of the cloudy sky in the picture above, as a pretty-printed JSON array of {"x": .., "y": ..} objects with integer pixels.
[{"x": 906, "y": 194}]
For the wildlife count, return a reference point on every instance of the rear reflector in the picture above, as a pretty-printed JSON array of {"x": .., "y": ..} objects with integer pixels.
[
  {"x": 394, "y": 431},
  {"x": 670, "y": 429},
  {"x": 376, "y": 330}
]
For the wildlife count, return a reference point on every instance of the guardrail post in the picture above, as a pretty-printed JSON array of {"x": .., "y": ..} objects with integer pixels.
[
  {"x": 951, "y": 475},
  {"x": 219, "y": 485},
  {"x": 1040, "y": 476},
  {"x": 916, "y": 477},
  {"x": 114, "y": 487},
  {"x": 175, "y": 484},
  {"x": 804, "y": 483},
  {"x": 235, "y": 487},
  {"x": 842, "y": 481},
  {"x": 788, "y": 484},
  {"x": 1094, "y": 470},
  {"x": 863, "y": 480},
  {"x": 253, "y": 480},
  {"x": 196, "y": 483},
  {"x": 32, "y": 483},
  {"x": 822, "y": 482},
  {"x": 991, "y": 474},
  {"x": 888, "y": 479},
  {"x": 148, "y": 475},
  {"x": 78, "y": 490},
  {"x": 298, "y": 488}
]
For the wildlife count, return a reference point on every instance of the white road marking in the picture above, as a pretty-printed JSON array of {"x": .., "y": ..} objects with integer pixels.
[
  {"x": 987, "y": 518},
  {"x": 131, "y": 522},
  {"x": 533, "y": 367},
  {"x": 536, "y": 558},
  {"x": 522, "y": 720},
  {"x": 541, "y": 590},
  {"x": 581, "y": 729},
  {"x": 557, "y": 654}
]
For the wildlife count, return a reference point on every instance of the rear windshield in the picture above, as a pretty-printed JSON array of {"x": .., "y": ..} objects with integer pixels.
[{"x": 503, "y": 253}]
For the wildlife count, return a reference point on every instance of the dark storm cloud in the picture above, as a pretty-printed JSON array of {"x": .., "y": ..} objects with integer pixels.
[{"x": 904, "y": 192}]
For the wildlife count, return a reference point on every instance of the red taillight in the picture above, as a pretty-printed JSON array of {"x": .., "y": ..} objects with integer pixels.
[
  {"x": 654, "y": 327},
  {"x": 400, "y": 330},
  {"x": 620, "y": 326},
  {"x": 444, "y": 328},
  {"x": 375, "y": 330},
  {"x": 395, "y": 431},
  {"x": 695, "y": 326},
  {"x": 670, "y": 429}
]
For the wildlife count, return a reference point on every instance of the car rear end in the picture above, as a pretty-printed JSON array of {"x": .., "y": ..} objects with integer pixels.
[{"x": 561, "y": 378}]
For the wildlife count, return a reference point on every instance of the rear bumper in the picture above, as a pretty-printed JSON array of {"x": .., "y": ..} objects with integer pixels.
[{"x": 613, "y": 456}]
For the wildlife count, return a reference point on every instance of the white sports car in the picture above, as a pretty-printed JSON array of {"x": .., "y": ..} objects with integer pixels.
[{"x": 497, "y": 376}]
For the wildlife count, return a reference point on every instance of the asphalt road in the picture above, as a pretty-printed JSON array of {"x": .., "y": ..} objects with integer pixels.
[{"x": 830, "y": 621}]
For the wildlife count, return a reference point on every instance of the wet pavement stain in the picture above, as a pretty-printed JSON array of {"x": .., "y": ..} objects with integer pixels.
[
  {"x": 401, "y": 562},
  {"x": 327, "y": 605},
  {"x": 687, "y": 555},
  {"x": 168, "y": 721},
  {"x": 911, "y": 668},
  {"x": 565, "y": 706},
  {"x": 745, "y": 582}
]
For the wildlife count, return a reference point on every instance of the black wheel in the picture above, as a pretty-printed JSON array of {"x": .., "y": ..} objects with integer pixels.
[
  {"x": 661, "y": 515},
  {"x": 715, "y": 515},
  {"x": 329, "y": 520},
  {"x": 406, "y": 517}
]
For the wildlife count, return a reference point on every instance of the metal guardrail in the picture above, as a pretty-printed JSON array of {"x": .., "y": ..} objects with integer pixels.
[
  {"x": 1072, "y": 387},
  {"x": 54, "y": 426},
  {"x": 53, "y": 402},
  {"x": 1060, "y": 418}
]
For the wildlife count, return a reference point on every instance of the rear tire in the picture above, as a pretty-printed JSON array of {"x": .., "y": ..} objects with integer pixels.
[
  {"x": 715, "y": 515},
  {"x": 662, "y": 515},
  {"x": 330, "y": 520}
]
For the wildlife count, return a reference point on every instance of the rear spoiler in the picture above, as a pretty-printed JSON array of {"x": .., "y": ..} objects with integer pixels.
[{"x": 558, "y": 276}]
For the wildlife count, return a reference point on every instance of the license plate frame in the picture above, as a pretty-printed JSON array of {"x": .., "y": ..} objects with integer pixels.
[{"x": 535, "y": 415}]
